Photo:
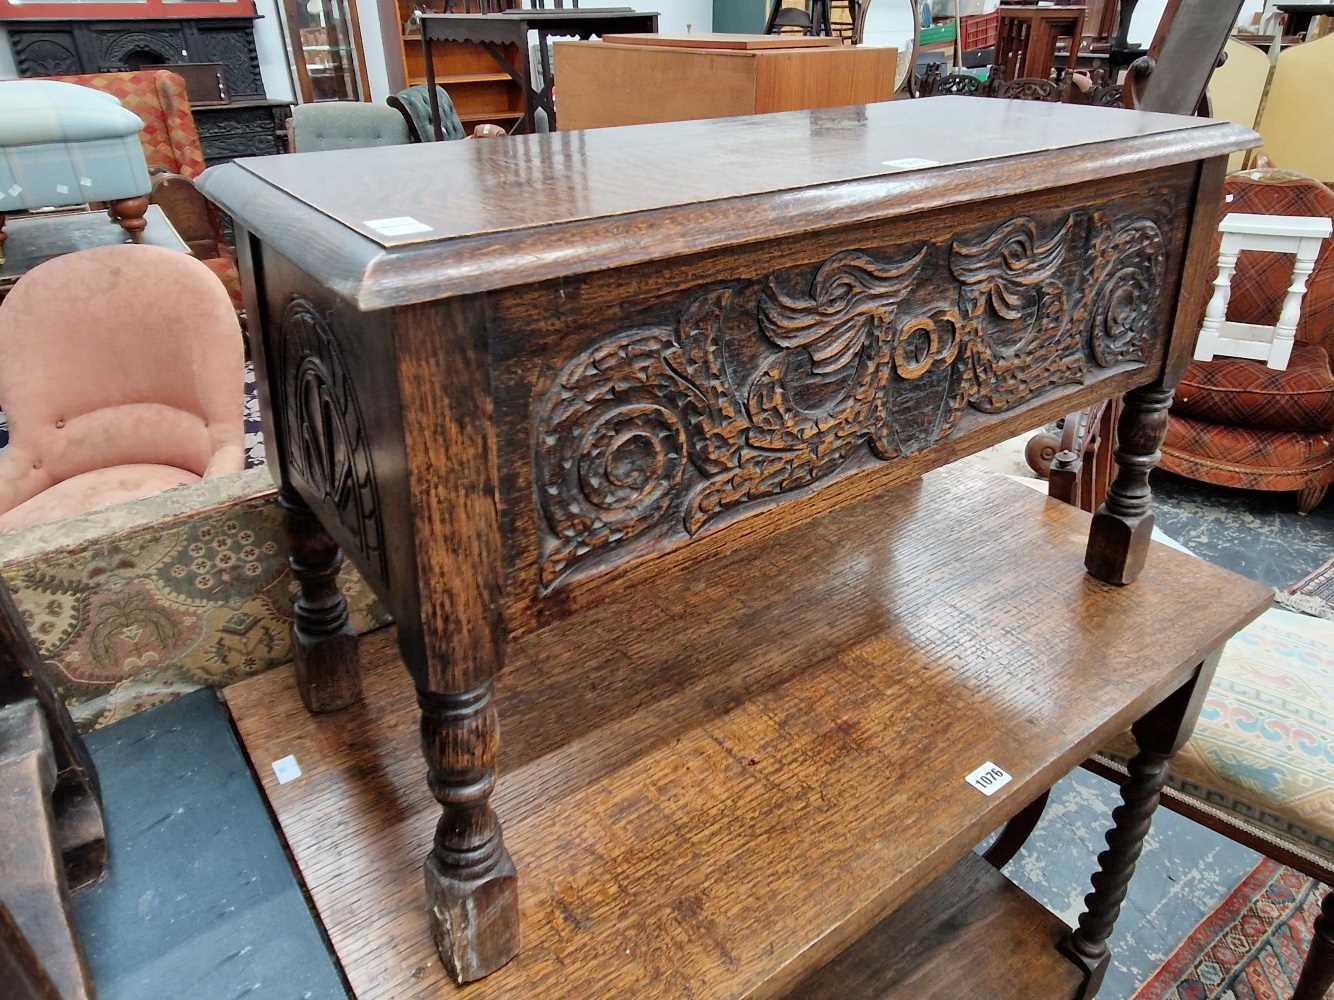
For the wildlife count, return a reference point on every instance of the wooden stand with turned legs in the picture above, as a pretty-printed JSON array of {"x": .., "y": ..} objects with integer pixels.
[{"x": 511, "y": 414}]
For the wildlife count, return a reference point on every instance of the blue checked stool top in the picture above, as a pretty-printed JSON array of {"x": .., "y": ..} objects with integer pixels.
[{"x": 62, "y": 144}]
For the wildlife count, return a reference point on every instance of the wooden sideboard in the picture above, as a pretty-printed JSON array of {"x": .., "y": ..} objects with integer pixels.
[
  {"x": 598, "y": 360},
  {"x": 622, "y": 81}
]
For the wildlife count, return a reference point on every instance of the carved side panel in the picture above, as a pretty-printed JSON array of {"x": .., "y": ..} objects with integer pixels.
[
  {"x": 328, "y": 447},
  {"x": 44, "y": 53},
  {"x": 760, "y": 388}
]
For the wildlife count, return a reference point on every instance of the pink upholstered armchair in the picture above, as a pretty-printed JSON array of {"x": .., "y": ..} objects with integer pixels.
[{"x": 121, "y": 376}]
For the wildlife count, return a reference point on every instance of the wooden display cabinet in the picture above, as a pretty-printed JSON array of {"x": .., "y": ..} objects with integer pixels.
[{"x": 483, "y": 94}]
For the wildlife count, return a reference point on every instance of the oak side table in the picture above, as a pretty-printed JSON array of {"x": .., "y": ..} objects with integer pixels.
[{"x": 598, "y": 358}]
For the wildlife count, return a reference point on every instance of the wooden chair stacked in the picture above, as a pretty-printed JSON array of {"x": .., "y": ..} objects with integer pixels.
[{"x": 51, "y": 835}]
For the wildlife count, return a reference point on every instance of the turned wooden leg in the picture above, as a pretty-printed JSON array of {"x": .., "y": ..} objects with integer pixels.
[
  {"x": 1123, "y": 525},
  {"x": 1309, "y": 497},
  {"x": 1041, "y": 450},
  {"x": 1318, "y": 969},
  {"x": 472, "y": 891},
  {"x": 130, "y": 212},
  {"x": 324, "y": 642},
  {"x": 1159, "y": 735}
]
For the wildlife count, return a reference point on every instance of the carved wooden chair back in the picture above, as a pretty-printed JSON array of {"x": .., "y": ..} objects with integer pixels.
[
  {"x": 810, "y": 19},
  {"x": 1186, "y": 49}
]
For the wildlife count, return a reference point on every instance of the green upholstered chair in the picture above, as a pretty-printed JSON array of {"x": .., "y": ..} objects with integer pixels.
[
  {"x": 61, "y": 144},
  {"x": 414, "y": 104},
  {"x": 346, "y": 125}
]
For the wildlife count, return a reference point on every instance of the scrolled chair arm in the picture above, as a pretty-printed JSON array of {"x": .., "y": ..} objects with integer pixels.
[{"x": 19, "y": 480}]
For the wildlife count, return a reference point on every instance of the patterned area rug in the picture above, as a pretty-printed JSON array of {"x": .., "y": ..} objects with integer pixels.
[
  {"x": 1250, "y": 948},
  {"x": 1313, "y": 595}
]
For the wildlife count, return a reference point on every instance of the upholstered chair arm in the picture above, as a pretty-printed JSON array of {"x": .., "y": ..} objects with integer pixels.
[
  {"x": 228, "y": 458},
  {"x": 19, "y": 481},
  {"x": 190, "y": 213}
]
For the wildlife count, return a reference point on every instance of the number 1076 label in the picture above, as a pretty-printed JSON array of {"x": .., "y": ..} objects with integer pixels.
[{"x": 988, "y": 778}]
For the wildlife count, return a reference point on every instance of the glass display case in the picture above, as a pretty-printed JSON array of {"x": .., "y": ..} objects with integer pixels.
[{"x": 324, "y": 43}]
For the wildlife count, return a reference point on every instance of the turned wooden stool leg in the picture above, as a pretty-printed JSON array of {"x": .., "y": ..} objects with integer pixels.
[
  {"x": 1159, "y": 735},
  {"x": 472, "y": 890},
  {"x": 324, "y": 642},
  {"x": 1318, "y": 970},
  {"x": 1123, "y": 526},
  {"x": 130, "y": 212}
]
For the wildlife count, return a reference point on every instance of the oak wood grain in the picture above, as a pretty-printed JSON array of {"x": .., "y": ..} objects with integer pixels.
[
  {"x": 971, "y": 926},
  {"x": 606, "y": 198},
  {"x": 669, "y": 785}
]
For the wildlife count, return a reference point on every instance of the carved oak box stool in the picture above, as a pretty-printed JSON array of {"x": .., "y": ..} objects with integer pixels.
[{"x": 510, "y": 378}]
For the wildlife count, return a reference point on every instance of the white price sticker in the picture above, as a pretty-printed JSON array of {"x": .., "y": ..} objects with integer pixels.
[
  {"x": 399, "y": 225},
  {"x": 988, "y": 779},
  {"x": 909, "y": 163},
  {"x": 286, "y": 770}
]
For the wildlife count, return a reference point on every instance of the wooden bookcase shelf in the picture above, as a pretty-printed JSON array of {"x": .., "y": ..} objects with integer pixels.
[{"x": 481, "y": 93}]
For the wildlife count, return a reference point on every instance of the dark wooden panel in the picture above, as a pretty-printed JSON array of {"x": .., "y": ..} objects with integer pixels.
[
  {"x": 642, "y": 410},
  {"x": 333, "y": 422},
  {"x": 689, "y": 807}
]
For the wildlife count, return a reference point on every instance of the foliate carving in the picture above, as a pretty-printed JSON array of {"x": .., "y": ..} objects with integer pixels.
[
  {"x": 760, "y": 389},
  {"x": 235, "y": 49},
  {"x": 1125, "y": 290},
  {"x": 1028, "y": 89},
  {"x": 117, "y": 46},
  {"x": 43, "y": 56},
  {"x": 326, "y": 441}
]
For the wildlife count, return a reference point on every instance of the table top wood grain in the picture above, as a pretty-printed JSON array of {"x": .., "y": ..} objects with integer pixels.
[
  {"x": 401, "y": 224},
  {"x": 708, "y": 731}
]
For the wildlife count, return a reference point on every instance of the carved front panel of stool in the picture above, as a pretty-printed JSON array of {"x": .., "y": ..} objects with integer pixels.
[{"x": 652, "y": 426}]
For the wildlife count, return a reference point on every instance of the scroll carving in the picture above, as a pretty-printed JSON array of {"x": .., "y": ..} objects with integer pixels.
[
  {"x": 326, "y": 442},
  {"x": 759, "y": 389}
]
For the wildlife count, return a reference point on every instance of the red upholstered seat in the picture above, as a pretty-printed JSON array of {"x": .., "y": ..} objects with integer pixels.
[
  {"x": 1236, "y": 422},
  {"x": 1250, "y": 394},
  {"x": 171, "y": 145}
]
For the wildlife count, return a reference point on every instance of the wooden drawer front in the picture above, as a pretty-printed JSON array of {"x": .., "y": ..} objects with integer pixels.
[{"x": 641, "y": 410}]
